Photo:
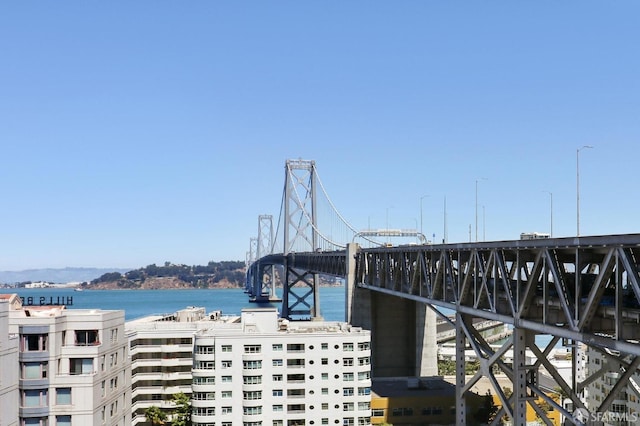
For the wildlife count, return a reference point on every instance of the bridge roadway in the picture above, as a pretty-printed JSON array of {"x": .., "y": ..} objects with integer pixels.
[{"x": 529, "y": 284}]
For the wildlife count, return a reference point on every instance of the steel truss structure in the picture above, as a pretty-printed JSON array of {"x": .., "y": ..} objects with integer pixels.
[{"x": 585, "y": 290}]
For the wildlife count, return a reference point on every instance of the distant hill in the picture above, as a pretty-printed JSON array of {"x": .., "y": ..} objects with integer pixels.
[{"x": 64, "y": 275}]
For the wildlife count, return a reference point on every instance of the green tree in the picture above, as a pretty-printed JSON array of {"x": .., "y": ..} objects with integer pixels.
[
  {"x": 182, "y": 413},
  {"x": 155, "y": 415}
]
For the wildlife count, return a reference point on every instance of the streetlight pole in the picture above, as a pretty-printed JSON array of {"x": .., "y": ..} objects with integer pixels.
[
  {"x": 578, "y": 187},
  {"x": 421, "y": 198},
  {"x": 477, "y": 206},
  {"x": 551, "y": 211},
  {"x": 444, "y": 220},
  {"x": 484, "y": 236}
]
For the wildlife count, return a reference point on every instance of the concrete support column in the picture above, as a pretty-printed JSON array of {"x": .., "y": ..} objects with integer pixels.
[
  {"x": 426, "y": 341},
  {"x": 350, "y": 280}
]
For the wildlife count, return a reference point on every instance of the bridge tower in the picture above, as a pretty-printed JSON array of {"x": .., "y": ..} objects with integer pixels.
[
  {"x": 300, "y": 288},
  {"x": 250, "y": 259},
  {"x": 268, "y": 274}
]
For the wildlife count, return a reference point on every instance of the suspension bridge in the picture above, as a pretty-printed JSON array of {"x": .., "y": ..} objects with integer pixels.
[{"x": 583, "y": 290}]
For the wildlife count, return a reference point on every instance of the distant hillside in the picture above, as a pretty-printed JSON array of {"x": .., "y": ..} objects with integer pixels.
[
  {"x": 212, "y": 275},
  {"x": 64, "y": 275}
]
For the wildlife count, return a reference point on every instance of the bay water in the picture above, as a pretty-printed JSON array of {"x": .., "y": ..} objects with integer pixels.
[{"x": 140, "y": 303}]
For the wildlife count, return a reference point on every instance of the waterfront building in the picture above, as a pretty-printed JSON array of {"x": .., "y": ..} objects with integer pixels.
[
  {"x": 73, "y": 366},
  {"x": 8, "y": 370},
  {"x": 161, "y": 348},
  {"x": 269, "y": 371},
  {"x": 252, "y": 369}
]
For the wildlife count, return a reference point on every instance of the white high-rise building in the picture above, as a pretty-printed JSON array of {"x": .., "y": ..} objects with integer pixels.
[
  {"x": 625, "y": 406},
  {"x": 73, "y": 366},
  {"x": 263, "y": 371},
  {"x": 254, "y": 369},
  {"x": 8, "y": 370},
  {"x": 161, "y": 348}
]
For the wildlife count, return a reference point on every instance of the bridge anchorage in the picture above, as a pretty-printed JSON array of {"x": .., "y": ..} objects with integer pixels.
[{"x": 580, "y": 292}]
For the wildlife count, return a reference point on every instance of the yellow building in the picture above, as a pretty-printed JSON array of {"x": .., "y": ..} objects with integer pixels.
[{"x": 413, "y": 401}]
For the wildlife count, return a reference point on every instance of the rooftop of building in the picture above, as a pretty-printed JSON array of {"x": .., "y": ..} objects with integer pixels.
[
  {"x": 394, "y": 387},
  {"x": 264, "y": 320}
]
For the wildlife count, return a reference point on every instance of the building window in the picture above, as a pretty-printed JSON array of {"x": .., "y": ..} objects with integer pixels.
[
  {"x": 277, "y": 363},
  {"x": 252, "y": 365},
  {"x": 347, "y": 392},
  {"x": 347, "y": 377},
  {"x": 204, "y": 396},
  {"x": 205, "y": 365},
  {"x": 347, "y": 362},
  {"x": 225, "y": 379},
  {"x": 204, "y": 380},
  {"x": 364, "y": 346},
  {"x": 347, "y": 406},
  {"x": 226, "y": 364},
  {"x": 347, "y": 347},
  {"x": 252, "y": 349},
  {"x": 251, "y": 411},
  {"x": 63, "y": 396},
  {"x": 252, "y": 380},
  {"x": 34, "y": 398},
  {"x": 277, "y": 392},
  {"x": 87, "y": 338},
  {"x": 277, "y": 346},
  {"x": 364, "y": 391},
  {"x": 34, "y": 370},
  {"x": 204, "y": 350},
  {"x": 251, "y": 395},
  {"x": 34, "y": 421},
  {"x": 226, "y": 394},
  {"x": 324, "y": 346},
  {"x": 277, "y": 377},
  {"x": 278, "y": 407},
  {"x": 63, "y": 420},
  {"x": 364, "y": 361},
  {"x": 33, "y": 343},
  {"x": 226, "y": 348},
  {"x": 80, "y": 366},
  {"x": 204, "y": 411},
  {"x": 295, "y": 347},
  {"x": 293, "y": 363},
  {"x": 364, "y": 375},
  {"x": 227, "y": 410}
]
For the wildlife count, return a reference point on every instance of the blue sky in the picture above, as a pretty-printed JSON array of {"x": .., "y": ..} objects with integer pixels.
[{"x": 142, "y": 132}]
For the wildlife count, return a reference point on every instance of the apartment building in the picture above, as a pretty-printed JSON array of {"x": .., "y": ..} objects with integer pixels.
[
  {"x": 8, "y": 370},
  {"x": 73, "y": 366},
  {"x": 253, "y": 369},
  {"x": 625, "y": 405},
  {"x": 267, "y": 371},
  {"x": 161, "y": 349}
]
